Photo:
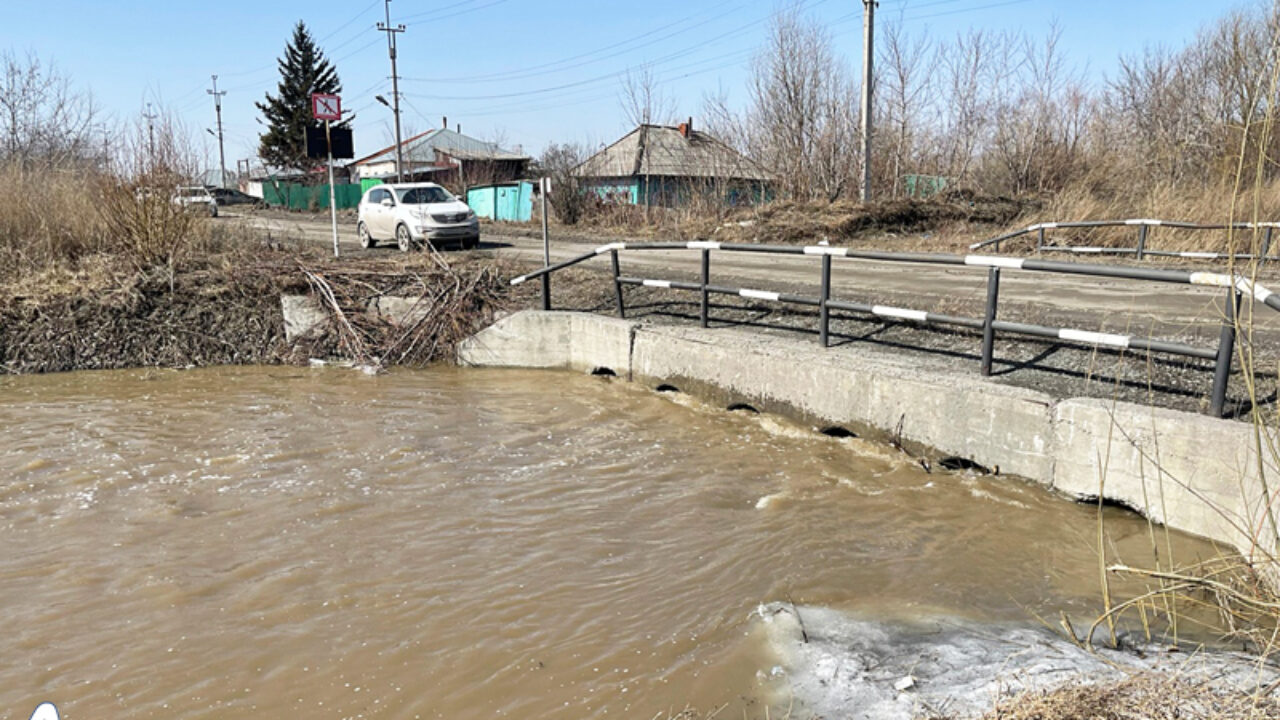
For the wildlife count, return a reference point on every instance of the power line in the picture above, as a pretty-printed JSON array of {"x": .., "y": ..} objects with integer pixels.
[
  {"x": 346, "y": 24},
  {"x": 434, "y": 14},
  {"x": 965, "y": 10},
  {"x": 670, "y": 57},
  {"x": 558, "y": 65},
  {"x": 688, "y": 50}
]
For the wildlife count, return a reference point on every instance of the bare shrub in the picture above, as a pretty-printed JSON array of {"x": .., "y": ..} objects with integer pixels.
[
  {"x": 568, "y": 198},
  {"x": 146, "y": 225}
]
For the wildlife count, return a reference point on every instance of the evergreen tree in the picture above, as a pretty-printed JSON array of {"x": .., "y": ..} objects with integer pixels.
[{"x": 303, "y": 70}]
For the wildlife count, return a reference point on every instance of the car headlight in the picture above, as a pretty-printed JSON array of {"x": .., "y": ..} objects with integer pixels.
[
  {"x": 423, "y": 228},
  {"x": 471, "y": 214}
]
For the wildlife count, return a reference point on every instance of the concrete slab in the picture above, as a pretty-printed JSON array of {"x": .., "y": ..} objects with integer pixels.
[
  {"x": 302, "y": 316},
  {"x": 876, "y": 393},
  {"x": 565, "y": 340},
  {"x": 1192, "y": 472}
]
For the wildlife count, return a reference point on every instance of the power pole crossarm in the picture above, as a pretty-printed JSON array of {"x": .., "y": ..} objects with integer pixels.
[
  {"x": 868, "y": 56},
  {"x": 395, "y": 84},
  {"x": 222, "y": 157}
]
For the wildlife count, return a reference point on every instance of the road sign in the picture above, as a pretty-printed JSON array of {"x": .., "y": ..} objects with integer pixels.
[{"x": 326, "y": 107}]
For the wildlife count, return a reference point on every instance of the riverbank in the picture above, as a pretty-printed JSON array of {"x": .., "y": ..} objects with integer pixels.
[{"x": 225, "y": 309}]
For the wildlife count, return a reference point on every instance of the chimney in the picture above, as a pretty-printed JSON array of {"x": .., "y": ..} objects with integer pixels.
[
  {"x": 444, "y": 122},
  {"x": 686, "y": 128}
]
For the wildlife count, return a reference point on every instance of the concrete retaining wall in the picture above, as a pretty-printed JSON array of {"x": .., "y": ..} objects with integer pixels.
[{"x": 1194, "y": 473}]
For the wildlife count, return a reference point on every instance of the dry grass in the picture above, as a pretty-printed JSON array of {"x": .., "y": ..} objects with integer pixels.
[
  {"x": 1146, "y": 696},
  {"x": 67, "y": 228},
  {"x": 48, "y": 219},
  {"x": 1209, "y": 204}
]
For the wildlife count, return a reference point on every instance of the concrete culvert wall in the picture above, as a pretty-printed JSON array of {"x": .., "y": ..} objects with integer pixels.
[
  {"x": 836, "y": 431},
  {"x": 604, "y": 372},
  {"x": 1199, "y": 474}
]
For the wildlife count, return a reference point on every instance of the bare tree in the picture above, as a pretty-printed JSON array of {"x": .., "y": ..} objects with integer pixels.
[
  {"x": 643, "y": 100},
  {"x": 43, "y": 119},
  {"x": 803, "y": 119},
  {"x": 906, "y": 65}
]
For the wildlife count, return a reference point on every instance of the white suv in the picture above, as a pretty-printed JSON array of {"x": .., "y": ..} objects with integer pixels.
[
  {"x": 414, "y": 213},
  {"x": 196, "y": 198}
]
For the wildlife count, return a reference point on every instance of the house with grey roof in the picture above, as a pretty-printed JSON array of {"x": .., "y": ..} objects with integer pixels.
[
  {"x": 660, "y": 165},
  {"x": 443, "y": 156}
]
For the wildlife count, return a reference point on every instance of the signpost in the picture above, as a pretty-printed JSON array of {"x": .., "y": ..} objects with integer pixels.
[
  {"x": 544, "y": 187},
  {"x": 327, "y": 108}
]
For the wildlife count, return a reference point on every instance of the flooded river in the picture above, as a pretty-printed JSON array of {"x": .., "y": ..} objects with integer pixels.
[{"x": 276, "y": 542}]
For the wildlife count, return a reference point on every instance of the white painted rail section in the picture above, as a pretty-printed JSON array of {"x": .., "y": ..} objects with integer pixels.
[{"x": 988, "y": 324}]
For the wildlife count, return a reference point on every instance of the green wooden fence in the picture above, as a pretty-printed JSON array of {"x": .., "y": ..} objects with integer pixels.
[{"x": 296, "y": 196}]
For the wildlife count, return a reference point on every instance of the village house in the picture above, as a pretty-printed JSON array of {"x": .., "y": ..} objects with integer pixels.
[
  {"x": 665, "y": 166},
  {"x": 445, "y": 157}
]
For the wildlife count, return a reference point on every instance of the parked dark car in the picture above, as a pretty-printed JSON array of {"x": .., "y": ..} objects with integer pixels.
[{"x": 226, "y": 196}]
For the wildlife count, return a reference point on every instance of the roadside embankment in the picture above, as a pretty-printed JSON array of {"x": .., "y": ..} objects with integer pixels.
[
  {"x": 223, "y": 310},
  {"x": 1191, "y": 472}
]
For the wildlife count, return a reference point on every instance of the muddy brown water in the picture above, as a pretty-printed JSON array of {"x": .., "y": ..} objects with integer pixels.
[{"x": 276, "y": 542}]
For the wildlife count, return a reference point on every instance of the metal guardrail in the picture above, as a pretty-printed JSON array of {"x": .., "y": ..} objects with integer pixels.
[
  {"x": 1139, "y": 250},
  {"x": 1235, "y": 285}
]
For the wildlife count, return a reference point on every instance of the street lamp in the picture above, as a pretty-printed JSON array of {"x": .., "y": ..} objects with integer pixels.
[{"x": 399, "y": 150}]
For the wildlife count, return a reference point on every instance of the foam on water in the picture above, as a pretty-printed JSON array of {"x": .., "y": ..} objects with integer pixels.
[{"x": 838, "y": 665}]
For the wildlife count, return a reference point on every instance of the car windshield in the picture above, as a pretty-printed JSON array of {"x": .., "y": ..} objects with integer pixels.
[{"x": 425, "y": 195}]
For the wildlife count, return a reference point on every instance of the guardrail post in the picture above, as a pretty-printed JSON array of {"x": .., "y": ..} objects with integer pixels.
[
  {"x": 1040, "y": 240},
  {"x": 1266, "y": 245},
  {"x": 1142, "y": 240},
  {"x": 706, "y": 280},
  {"x": 1226, "y": 347},
  {"x": 617, "y": 286},
  {"x": 824, "y": 313},
  {"x": 546, "y": 291},
  {"x": 989, "y": 320}
]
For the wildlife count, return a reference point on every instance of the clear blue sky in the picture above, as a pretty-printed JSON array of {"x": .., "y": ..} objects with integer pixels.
[{"x": 526, "y": 71}]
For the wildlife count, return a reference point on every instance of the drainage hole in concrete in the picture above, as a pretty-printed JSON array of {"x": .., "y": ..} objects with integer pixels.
[
  {"x": 1110, "y": 502},
  {"x": 667, "y": 388},
  {"x": 836, "y": 431},
  {"x": 604, "y": 372},
  {"x": 959, "y": 463},
  {"x": 743, "y": 407}
]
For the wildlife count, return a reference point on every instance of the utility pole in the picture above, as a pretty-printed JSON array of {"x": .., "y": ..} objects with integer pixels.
[
  {"x": 151, "y": 134},
  {"x": 395, "y": 84},
  {"x": 868, "y": 56},
  {"x": 217, "y": 106}
]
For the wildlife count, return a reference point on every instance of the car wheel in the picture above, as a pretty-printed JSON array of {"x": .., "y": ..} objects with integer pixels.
[
  {"x": 471, "y": 243},
  {"x": 213, "y": 210},
  {"x": 366, "y": 240},
  {"x": 403, "y": 239}
]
